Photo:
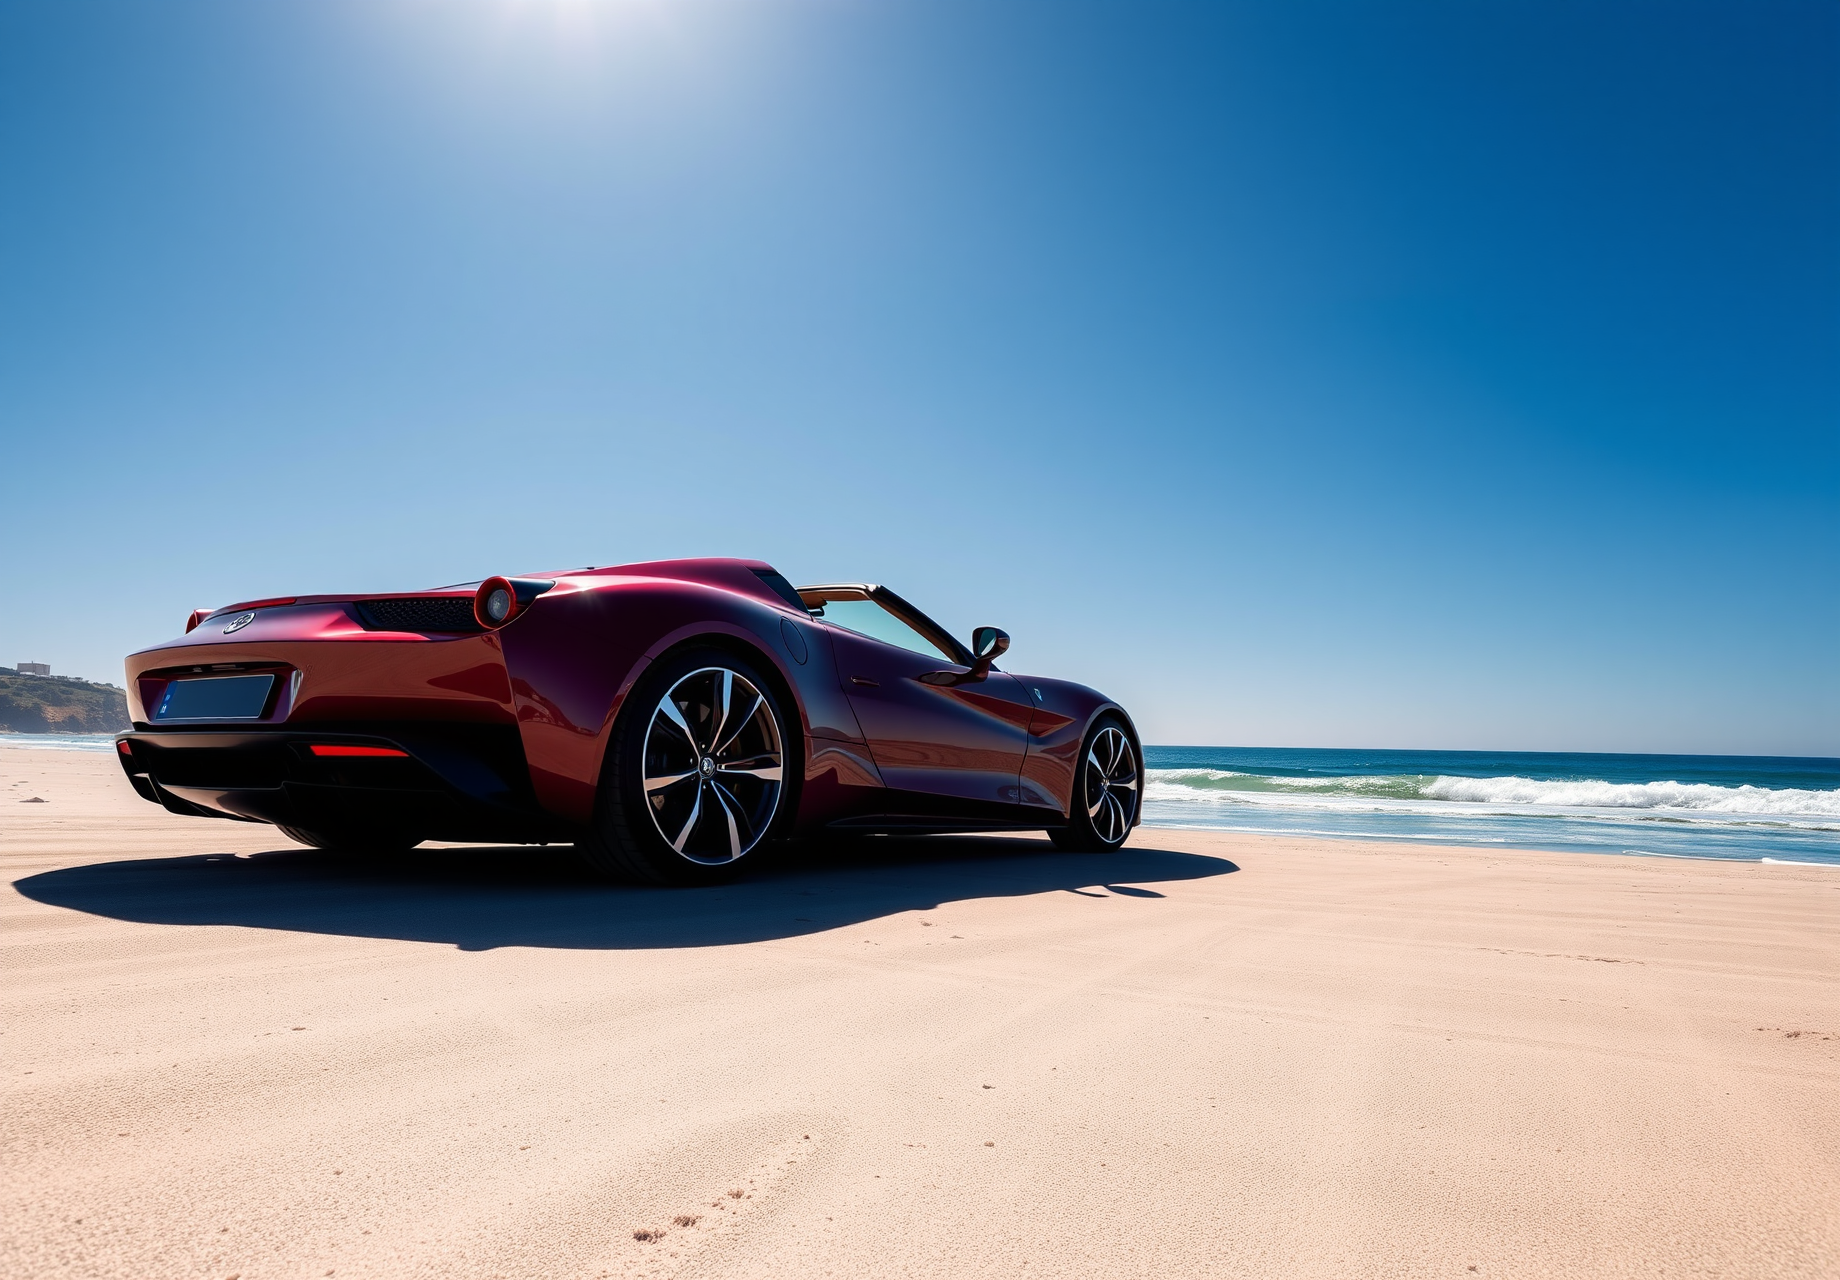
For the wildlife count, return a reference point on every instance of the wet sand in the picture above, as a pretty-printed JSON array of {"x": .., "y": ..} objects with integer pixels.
[{"x": 1209, "y": 1055}]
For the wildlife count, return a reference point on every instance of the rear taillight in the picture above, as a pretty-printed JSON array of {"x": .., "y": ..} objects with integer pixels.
[
  {"x": 497, "y": 607},
  {"x": 499, "y": 600},
  {"x": 125, "y": 747},
  {"x": 334, "y": 749}
]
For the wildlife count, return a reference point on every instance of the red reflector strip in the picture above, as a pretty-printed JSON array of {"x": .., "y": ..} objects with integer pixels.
[
  {"x": 124, "y": 748},
  {"x": 322, "y": 749}
]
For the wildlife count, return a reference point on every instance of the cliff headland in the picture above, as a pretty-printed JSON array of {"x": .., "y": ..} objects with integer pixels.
[{"x": 59, "y": 704}]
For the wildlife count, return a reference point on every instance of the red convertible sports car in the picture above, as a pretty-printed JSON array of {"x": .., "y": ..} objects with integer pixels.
[{"x": 667, "y": 719}]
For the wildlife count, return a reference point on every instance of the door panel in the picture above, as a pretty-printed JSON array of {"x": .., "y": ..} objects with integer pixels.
[{"x": 946, "y": 748}]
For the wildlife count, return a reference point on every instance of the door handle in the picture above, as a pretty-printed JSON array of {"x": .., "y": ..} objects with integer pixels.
[{"x": 865, "y": 680}]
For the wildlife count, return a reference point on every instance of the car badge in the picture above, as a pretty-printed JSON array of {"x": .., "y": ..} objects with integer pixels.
[{"x": 239, "y": 622}]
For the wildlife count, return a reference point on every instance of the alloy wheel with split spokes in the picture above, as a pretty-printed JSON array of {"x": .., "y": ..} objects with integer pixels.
[
  {"x": 713, "y": 766},
  {"x": 702, "y": 752},
  {"x": 1106, "y": 795}
]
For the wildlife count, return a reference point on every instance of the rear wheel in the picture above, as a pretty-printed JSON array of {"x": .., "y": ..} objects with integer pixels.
[
  {"x": 1106, "y": 792},
  {"x": 368, "y": 843},
  {"x": 695, "y": 776}
]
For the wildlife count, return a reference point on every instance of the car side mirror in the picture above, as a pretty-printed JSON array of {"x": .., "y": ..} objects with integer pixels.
[{"x": 987, "y": 645}]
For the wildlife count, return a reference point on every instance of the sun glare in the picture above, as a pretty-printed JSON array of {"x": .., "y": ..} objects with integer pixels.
[
  {"x": 588, "y": 16},
  {"x": 564, "y": 38}
]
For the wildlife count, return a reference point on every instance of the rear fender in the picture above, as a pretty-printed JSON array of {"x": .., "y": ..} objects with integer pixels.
[{"x": 574, "y": 658}]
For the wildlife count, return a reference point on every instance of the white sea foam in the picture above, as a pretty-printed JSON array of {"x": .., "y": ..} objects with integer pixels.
[
  {"x": 1593, "y": 794},
  {"x": 59, "y": 741},
  {"x": 1690, "y": 800}
]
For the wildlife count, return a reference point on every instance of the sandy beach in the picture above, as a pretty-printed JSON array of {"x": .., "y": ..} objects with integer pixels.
[{"x": 1210, "y": 1055}]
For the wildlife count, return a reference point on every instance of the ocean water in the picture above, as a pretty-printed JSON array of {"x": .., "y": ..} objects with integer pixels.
[
  {"x": 1743, "y": 808},
  {"x": 59, "y": 741},
  {"x": 1746, "y": 808}
]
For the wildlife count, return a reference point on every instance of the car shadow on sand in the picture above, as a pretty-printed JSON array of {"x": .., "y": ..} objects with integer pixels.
[{"x": 480, "y": 898}]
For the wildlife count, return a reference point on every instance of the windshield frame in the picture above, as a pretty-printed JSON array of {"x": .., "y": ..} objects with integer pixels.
[{"x": 900, "y": 608}]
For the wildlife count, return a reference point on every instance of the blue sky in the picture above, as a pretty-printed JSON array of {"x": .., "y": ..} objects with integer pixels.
[{"x": 1433, "y": 375}]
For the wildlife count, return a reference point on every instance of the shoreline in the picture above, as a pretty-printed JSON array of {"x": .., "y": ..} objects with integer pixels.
[
  {"x": 1502, "y": 846},
  {"x": 1713, "y": 838}
]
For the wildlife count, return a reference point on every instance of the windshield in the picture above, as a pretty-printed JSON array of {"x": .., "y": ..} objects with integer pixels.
[{"x": 867, "y": 618}]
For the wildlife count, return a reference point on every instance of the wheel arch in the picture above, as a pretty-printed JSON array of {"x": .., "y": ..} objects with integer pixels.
[
  {"x": 739, "y": 643},
  {"x": 1137, "y": 745},
  {"x": 575, "y": 657}
]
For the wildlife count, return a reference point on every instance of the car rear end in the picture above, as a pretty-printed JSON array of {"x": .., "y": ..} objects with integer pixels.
[{"x": 387, "y": 717}]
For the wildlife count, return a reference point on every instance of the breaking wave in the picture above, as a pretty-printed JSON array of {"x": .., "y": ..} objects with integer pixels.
[
  {"x": 59, "y": 741},
  {"x": 1220, "y": 786}
]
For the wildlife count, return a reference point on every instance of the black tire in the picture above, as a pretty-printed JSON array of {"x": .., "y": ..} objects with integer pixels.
[
  {"x": 1107, "y": 791},
  {"x": 365, "y": 843},
  {"x": 666, "y": 763}
]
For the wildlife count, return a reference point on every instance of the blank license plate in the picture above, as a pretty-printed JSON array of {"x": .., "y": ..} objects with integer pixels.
[{"x": 215, "y": 698}]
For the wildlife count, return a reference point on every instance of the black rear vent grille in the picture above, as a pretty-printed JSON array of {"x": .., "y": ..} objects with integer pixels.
[{"x": 429, "y": 613}]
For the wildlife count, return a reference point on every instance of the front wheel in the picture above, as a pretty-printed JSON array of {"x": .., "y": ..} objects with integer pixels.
[
  {"x": 1106, "y": 792},
  {"x": 695, "y": 776}
]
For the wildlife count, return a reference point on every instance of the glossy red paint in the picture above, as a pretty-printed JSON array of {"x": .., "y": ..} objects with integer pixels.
[{"x": 868, "y": 739}]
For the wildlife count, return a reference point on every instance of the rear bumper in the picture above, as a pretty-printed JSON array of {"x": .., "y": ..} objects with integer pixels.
[{"x": 454, "y": 782}]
